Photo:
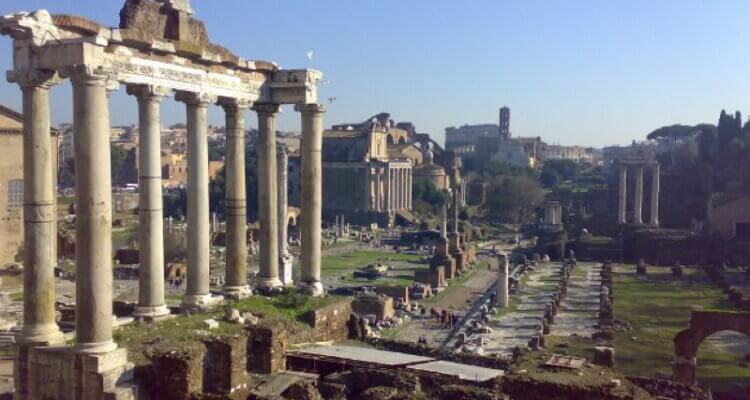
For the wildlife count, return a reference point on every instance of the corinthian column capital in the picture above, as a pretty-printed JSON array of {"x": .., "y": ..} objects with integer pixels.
[
  {"x": 310, "y": 108},
  {"x": 195, "y": 99},
  {"x": 92, "y": 76},
  {"x": 233, "y": 107},
  {"x": 148, "y": 92},
  {"x": 266, "y": 108},
  {"x": 37, "y": 78}
]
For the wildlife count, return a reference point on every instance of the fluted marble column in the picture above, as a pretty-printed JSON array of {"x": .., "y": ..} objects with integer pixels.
[
  {"x": 286, "y": 259},
  {"x": 40, "y": 213},
  {"x": 312, "y": 195},
  {"x": 267, "y": 196},
  {"x": 654, "y": 195},
  {"x": 197, "y": 294},
  {"x": 235, "y": 282},
  {"x": 623, "y": 195},
  {"x": 93, "y": 191},
  {"x": 151, "y": 302},
  {"x": 638, "y": 198}
]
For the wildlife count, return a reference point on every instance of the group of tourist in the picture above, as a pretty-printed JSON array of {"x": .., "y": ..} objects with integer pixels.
[{"x": 447, "y": 319}]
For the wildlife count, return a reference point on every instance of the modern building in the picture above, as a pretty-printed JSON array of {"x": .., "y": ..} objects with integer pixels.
[{"x": 11, "y": 183}]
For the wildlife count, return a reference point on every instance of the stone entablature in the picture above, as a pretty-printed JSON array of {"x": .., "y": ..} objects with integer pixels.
[{"x": 61, "y": 42}]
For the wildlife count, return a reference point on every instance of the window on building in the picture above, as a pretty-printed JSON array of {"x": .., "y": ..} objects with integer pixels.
[{"x": 15, "y": 193}]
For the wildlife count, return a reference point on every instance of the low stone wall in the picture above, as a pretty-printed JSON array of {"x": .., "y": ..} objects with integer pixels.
[
  {"x": 330, "y": 322},
  {"x": 270, "y": 339},
  {"x": 173, "y": 375},
  {"x": 397, "y": 292},
  {"x": 669, "y": 389}
]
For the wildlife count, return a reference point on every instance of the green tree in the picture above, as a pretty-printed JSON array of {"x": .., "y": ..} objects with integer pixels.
[
  {"x": 217, "y": 188},
  {"x": 549, "y": 177},
  {"x": 509, "y": 196},
  {"x": 119, "y": 157}
]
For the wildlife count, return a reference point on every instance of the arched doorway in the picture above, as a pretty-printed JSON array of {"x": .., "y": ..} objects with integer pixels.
[{"x": 702, "y": 325}]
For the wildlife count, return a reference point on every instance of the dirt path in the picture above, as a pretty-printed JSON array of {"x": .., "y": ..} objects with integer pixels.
[{"x": 457, "y": 299}]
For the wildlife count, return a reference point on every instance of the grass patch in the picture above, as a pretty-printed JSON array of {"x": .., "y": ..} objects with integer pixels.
[
  {"x": 177, "y": 331},
  {"x": 17, "y": 296},
  {"x": 658, "y": 306},
  {"x": 339, "y": 264},
  {"x": 289, "y": 305}
]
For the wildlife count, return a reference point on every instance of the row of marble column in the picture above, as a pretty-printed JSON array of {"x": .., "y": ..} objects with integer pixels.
[
  {"x": 93, "y": 192},
  {"x": 390, "y": 188},
  {"x": 638, "y": 195}
]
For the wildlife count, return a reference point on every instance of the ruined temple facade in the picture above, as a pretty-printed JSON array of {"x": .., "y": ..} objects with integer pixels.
[
  {"x": 364, "y": 179},
  {"x": 158, "y": 50}
]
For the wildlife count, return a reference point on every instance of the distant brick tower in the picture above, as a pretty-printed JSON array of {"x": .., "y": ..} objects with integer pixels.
[{"x": 505, "y": 123}]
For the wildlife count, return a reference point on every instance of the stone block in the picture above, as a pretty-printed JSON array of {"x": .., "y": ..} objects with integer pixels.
[
  {"x": 210, "y": 324},
  {"x": 604, "y": 356},
  {"x": 225, "y": 364}
]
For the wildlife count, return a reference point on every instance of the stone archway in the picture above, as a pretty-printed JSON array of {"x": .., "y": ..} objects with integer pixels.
[{"x": 702, "y": 325}]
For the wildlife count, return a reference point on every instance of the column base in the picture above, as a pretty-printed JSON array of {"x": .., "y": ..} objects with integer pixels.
[
  {"x": 151, "y": 313},
  {"x": 95, "y": 348},
  {"x": 314, "y": 289},
  {"x": 41, "y": 336},
  {"x": 200, "y": 302},
  {"x": 237, "y": 292},
  {"x": 269, "y": 283}
]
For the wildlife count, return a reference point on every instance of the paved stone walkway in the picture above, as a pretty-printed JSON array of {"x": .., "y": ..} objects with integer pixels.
[
  {"x": 579, "y": 310},
  {"x": 516, "y": 328}
]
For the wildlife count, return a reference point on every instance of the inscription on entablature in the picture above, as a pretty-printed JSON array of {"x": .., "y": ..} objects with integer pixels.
[{"x": 179, "y": 74}]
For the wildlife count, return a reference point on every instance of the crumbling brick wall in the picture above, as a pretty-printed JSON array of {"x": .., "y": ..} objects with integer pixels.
[
  {"x": 330, "y": 322},
  {"x": 669, "y": 389},
  {"x": 176, "y": 374},
  {"x": 225, "y": 364}
]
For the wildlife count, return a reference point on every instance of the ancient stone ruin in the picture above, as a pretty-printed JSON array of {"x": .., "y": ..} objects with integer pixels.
[{"x": 158, "y": 49}]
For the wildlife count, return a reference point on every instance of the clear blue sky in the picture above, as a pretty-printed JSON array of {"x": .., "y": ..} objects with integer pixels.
[{"x": 573, "y": 72}]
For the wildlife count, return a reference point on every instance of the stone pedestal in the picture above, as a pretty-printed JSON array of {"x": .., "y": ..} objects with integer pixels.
[
  {"x": 442, "y": 258},
  {"x": 62, "y": 374}
]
